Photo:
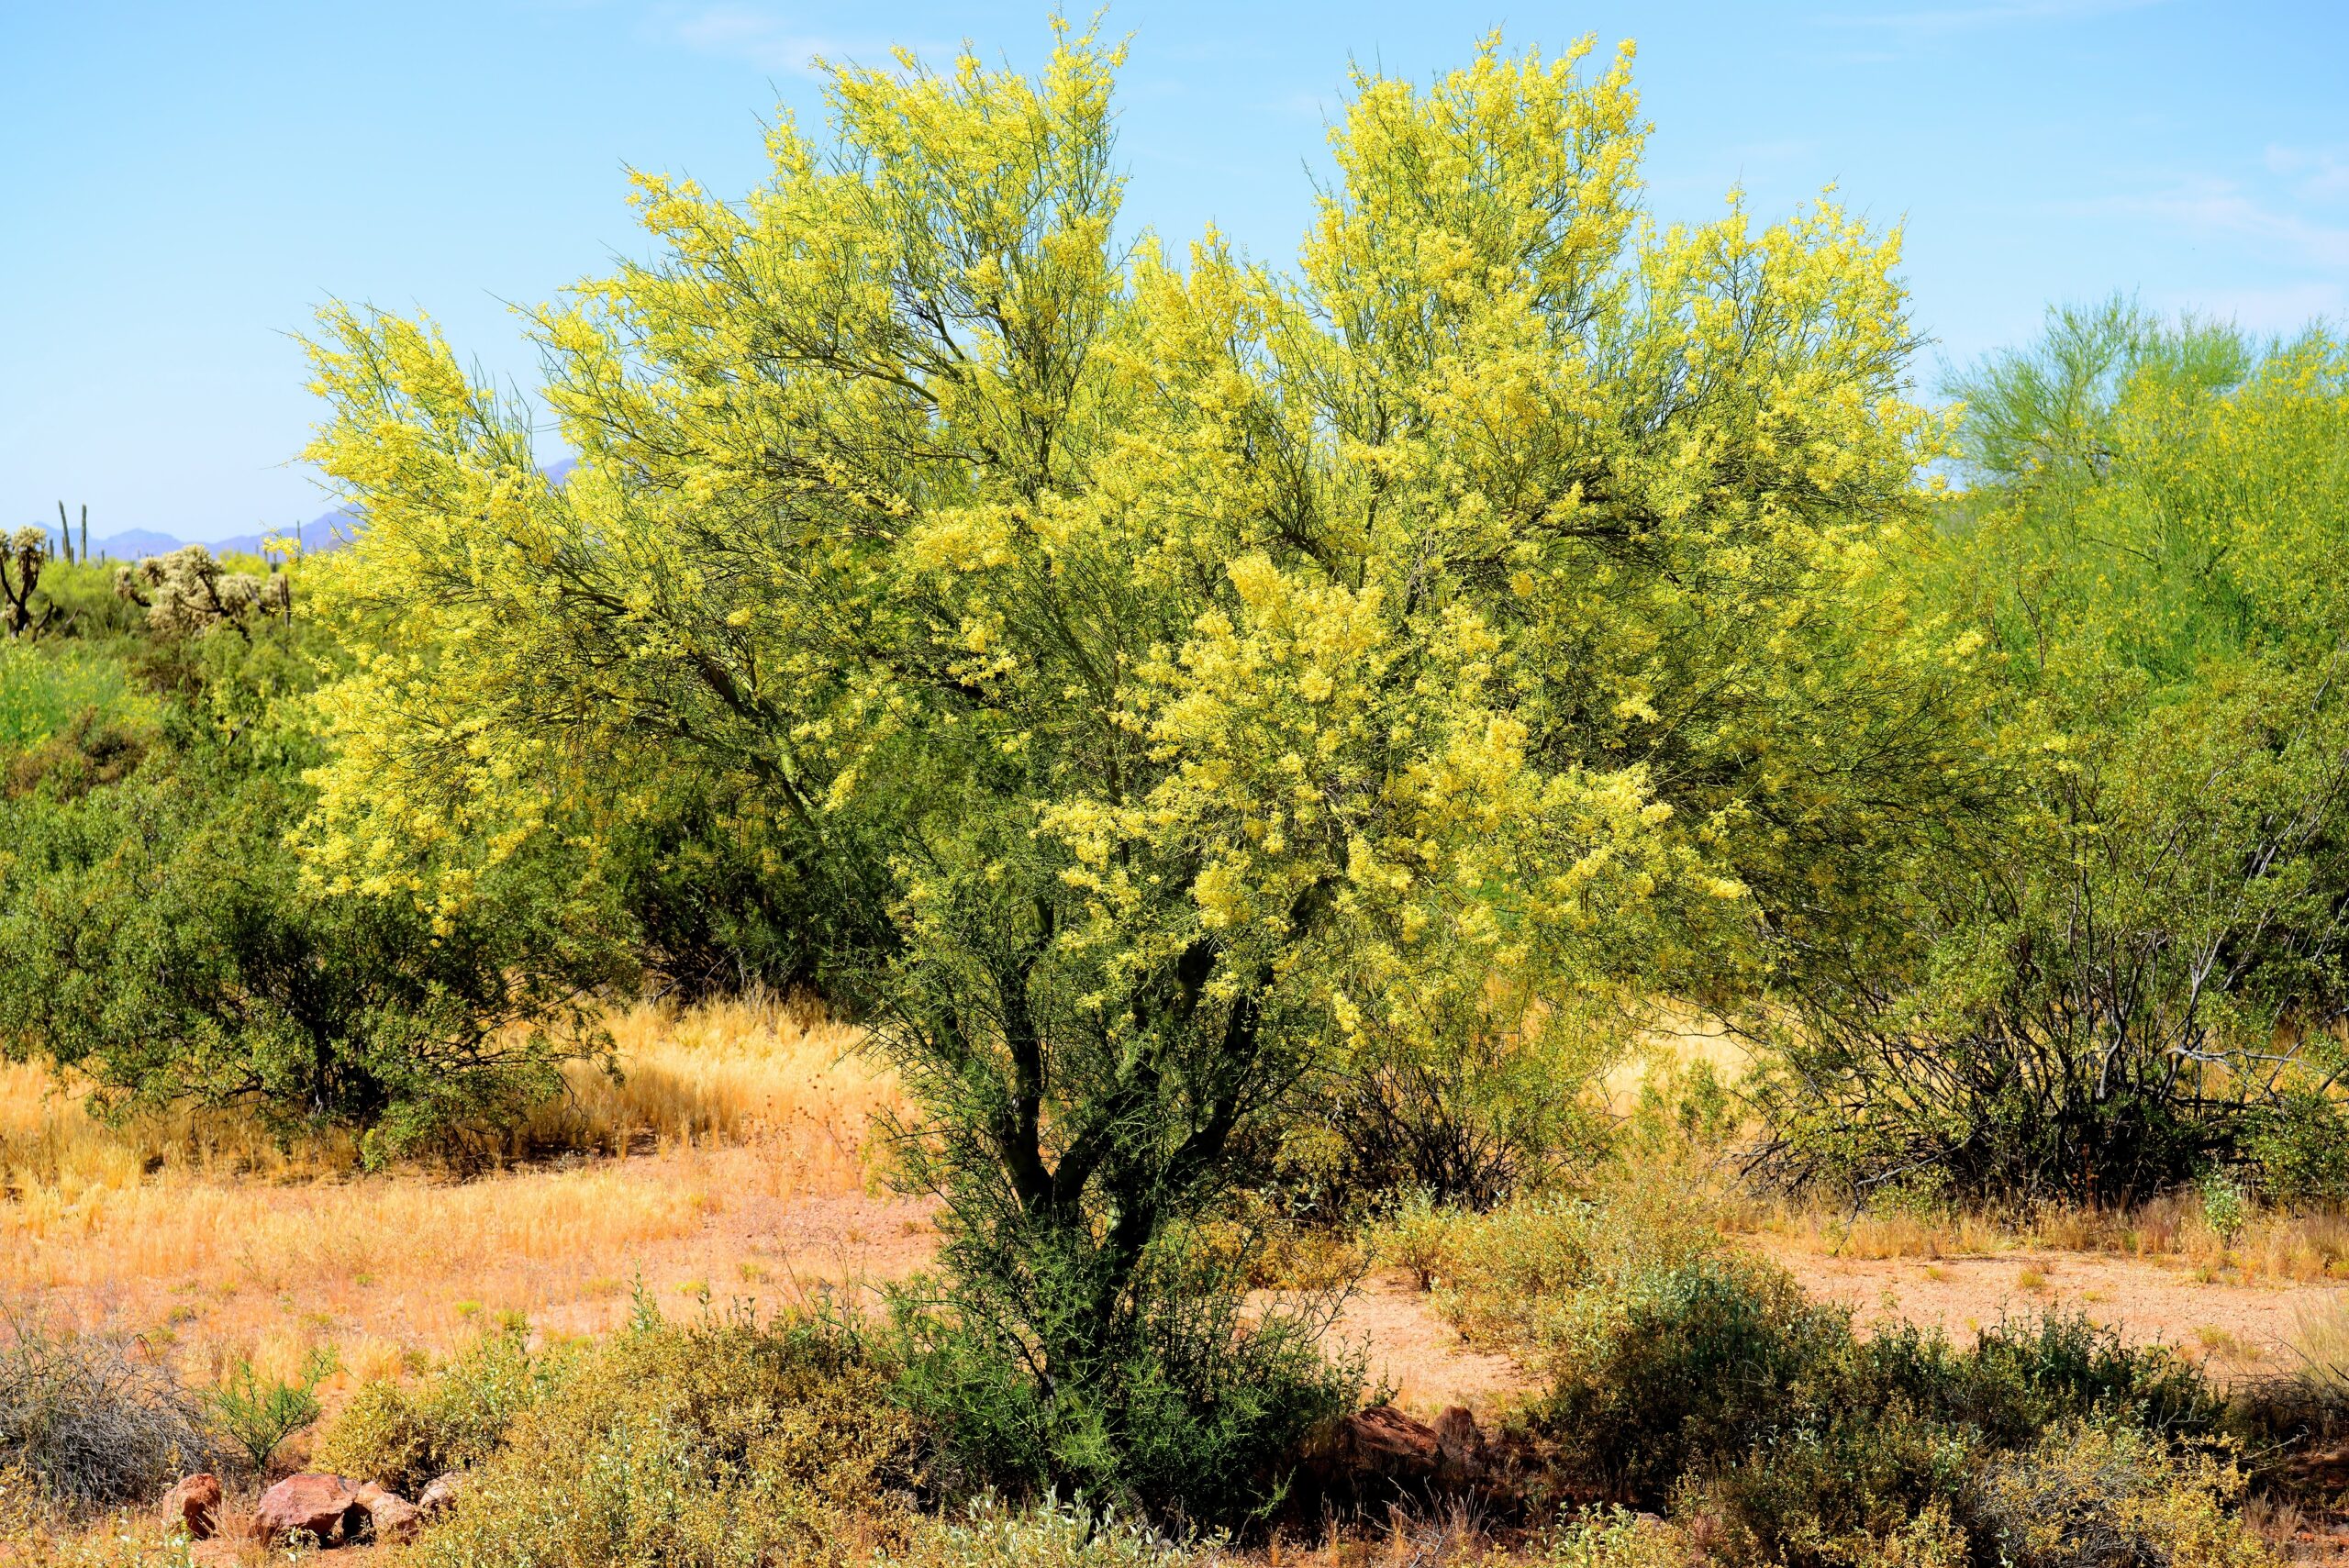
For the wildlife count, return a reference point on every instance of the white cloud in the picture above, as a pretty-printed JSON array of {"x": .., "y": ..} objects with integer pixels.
[
  {"x": 761, "y": 37},
  {"x": 2321, "y": 173},
  {"x": 2284, "y": 309},
  {"x": 1943, "y": 20},
  {"x": 2211, "y": 206}
]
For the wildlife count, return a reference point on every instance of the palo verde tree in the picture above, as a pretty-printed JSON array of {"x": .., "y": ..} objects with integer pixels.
[
  {"x": 2148, "y": 982},
  {"x": 1174, "y": 666}
]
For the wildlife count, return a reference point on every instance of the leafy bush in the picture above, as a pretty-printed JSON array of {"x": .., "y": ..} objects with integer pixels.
[
  {"x": 1522, "y": 1279},
  {"x": 158, "y": 935},
  {"x": 1679, "y": 1371},
  {"x": 1194, "y": 1410},
  {"x": 47, "y": 688},
  {"x": 90, "y": 1418},
  {"x": 664, "y": 1446},
  {"x": 407, "y": 1434},
  {"x": 259, "y": 1413},
  {"x": 1681, "y": 1365},
  {"x": 1866, "y": 1486},
  {"x": 1047, "y": 1534},
  {"x": 2024, "y": 1375},
  {"x": 157, "y": 932},
  {"x": 2110, "y": 1496}
]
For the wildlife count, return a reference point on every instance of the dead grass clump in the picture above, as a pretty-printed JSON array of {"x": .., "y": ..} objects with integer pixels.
[{"x": 92, "y": 1419}]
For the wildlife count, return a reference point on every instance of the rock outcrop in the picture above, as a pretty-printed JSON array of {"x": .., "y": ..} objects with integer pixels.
[
  {"x": 325, "y": 1508},
  {"x": 194, "y": 1502}
]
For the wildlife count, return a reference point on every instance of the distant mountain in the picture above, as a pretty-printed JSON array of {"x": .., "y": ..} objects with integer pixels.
[
  {"x": 128, "y": 546},
  {"x": 332, "y": 531},
  {"x": 329, "y": 532}
]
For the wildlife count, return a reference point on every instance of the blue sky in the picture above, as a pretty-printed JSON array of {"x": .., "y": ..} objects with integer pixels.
[{"x": 185, "y": 182}]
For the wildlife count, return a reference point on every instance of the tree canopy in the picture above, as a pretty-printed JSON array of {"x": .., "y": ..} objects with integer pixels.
[{"x": 1176, "y": 663}]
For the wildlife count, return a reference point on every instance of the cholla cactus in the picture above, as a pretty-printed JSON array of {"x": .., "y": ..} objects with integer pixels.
[
  {"x": 20, "y": 579},
  {"x": 187, "y": 593}
]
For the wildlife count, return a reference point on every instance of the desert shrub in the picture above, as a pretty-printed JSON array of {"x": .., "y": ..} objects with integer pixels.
[
  {"x": 1471, "y": 1093},
  {"x": 2111, "y": 1496},
  {"x": 1868, "y": 1485},
  {"x": 406, "y": 1434},
  {"x": 1194, "y": 1411},
  {"x": 716, "y": 898},
  {"x": 158, "y": 937},
  {"x": 1613, "y": 1538},
  {"x": 37, "y": 1531},
  {"x": 990, "y": 1533},
  {"x": 1679, "y": 1365},
  {"x": 45, "y": 689},
  {"x": 721, "y": 1443},
  {"x": 93, "y": 750},
  {"x": 1522, "y": 1279},
  {"x": 257, "y": 1413},
  {"x": 1678, "y": 1371},
  {"x": 90, "y": 1418},
  {"x": 2022, "y": 1375}
]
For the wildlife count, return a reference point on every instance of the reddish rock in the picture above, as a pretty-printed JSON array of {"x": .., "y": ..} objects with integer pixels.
[
  {"x": 441, "y": 1496},
  {"x": 194, "y": 1502},
  {"x": 391, "y": 1517},
  {"x": 325, "y": 1507},
  {"x": 1461, "y": 1449},
  {"x": 1380, "y": 1451},
  {"x": 1382, "y": 1441}
]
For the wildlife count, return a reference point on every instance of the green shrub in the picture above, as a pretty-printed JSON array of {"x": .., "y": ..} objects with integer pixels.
[
  {"x": 1681, "y": 1364},
  {"x": 722, "y": 1443},
  {"x": 407, "y": 1434},
  {"x": 259, "y": 1413},
  {"x": 1520, "y": 1280},
  {"x": 1193, "y": 1409},
  {"x": 1678, "y": 1371},
  {"x": 44, "y": 688},
  {"x": 1869, "y": 1487},
  {"x": 1047, "y": 1534},
  {"x": 2023, "y": 1375},
  {"x": 1615, "y": 1538},
  {"x": 2110, "y": 1496},
  {"x": 2153, "y": 551}
]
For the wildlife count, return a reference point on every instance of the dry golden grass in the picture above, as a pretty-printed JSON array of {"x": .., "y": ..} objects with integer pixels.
[
  {"x": 2273, "y": 1245},
  {"x": 745, "y": 1130}
]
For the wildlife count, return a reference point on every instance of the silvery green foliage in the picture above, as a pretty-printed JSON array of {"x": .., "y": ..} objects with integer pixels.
[
  {"x": 20, "y": 566},
  {"x": 189, "y": 592}
]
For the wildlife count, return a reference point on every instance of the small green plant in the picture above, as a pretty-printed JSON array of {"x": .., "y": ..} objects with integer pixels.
[
  {"x": 1416, "y": 1238},
  {"x": 2224, "y": 1207},
  {"x": 259, "y": 1413}
]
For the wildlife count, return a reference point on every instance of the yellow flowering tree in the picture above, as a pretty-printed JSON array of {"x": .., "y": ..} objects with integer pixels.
[{"x": 1179, "y": 667}]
